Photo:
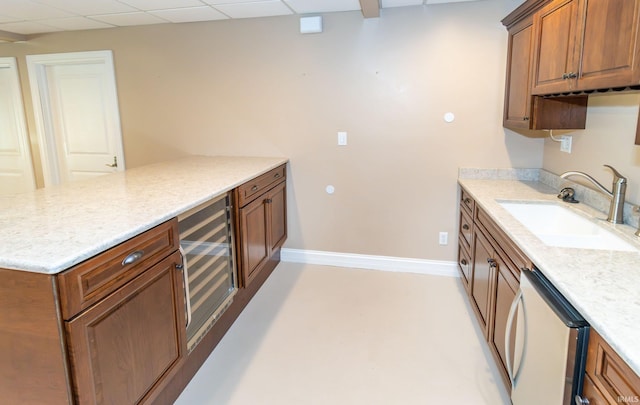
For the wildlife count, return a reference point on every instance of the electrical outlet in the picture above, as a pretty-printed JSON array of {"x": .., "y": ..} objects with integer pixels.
[
  {"x": 443, "y": 238},
  {"x": 565, "y": 144}
]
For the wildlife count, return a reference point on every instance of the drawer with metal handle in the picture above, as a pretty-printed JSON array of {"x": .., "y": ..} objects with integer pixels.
[
  {"x": 88, "y": 282},
  {"x": 253, "y": 188}
]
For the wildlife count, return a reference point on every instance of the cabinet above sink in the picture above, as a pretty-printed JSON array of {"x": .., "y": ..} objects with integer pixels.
[{"x": 560, "y": 51}]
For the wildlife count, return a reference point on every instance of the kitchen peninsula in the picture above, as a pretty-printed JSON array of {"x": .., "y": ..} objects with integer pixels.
[{"x": 92, "y": 265}]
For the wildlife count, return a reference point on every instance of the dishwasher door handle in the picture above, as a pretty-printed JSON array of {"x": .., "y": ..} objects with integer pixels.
[{"x": 513, "y": 374}]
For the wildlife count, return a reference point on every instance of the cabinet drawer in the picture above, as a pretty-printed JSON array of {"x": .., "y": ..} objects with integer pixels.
[
  {"x": 610, "y": 373},
  {"x": 94, "y": 279},
  {"x": 591, "y": 393},
  {"x": 253, "y": 188},
  {"x": 464, "y": 264},
  {"x": 511, "y": 250},
  {"x": 466, "y": 201},
  {"x": 465, "y": 228}
]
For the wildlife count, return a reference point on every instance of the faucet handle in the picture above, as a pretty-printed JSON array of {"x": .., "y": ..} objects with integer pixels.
[{"x": 617, "y": 177}]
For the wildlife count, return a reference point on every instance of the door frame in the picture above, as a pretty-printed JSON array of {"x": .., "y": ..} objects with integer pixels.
[
  {"x": 37, "y": 66},
  {"x": 16, "y": 94}
]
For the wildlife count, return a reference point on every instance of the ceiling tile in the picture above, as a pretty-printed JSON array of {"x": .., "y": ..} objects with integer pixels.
[
  {"x": 400, "y": 3},
  {"x": 323, "y": 6},
  {"x": 254, "y": 9},
  {"x": 124, "y": 19},
  {"x": 75, "y": 23},
  {"x": 28, "y": 10},
  {"x": 88, "y": 7},
  {"x": 26, "y": 28},
  {"x": 228, "y": 1},
  {"x": 179, "y": 15},
  {"x": 446, "y": 1},
  {"x": 6, "y": 19},
  {"x": 161, "y": 4}
]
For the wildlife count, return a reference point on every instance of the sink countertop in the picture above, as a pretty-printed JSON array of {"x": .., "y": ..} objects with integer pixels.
[
  {"x": 54, "y": 228},
  {"x": 602, "y": 285}
]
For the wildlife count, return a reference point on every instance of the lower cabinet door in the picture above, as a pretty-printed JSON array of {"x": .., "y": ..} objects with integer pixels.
[
  {"x": 254, "y": 245},
  {"x": 121, "y": 347},
  {"x": 278, "y": 215},
  {"x": 482, "y": 280}
]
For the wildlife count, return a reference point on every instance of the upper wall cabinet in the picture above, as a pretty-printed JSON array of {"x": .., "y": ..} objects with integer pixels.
[
  {"x": 585, "y": 45},
  {"x": 521, "y": 109}
]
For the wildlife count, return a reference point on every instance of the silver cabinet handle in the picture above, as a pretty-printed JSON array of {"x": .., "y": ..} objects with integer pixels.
[
  {"x": 254, "y": 188},
  {"x": 507, "y": 336},
  {"x": 581, "y": 401},
  {"x": 187, "y": 293},
  {"x": 465, "y": 227},
  {"x": 133, "y": 257}
]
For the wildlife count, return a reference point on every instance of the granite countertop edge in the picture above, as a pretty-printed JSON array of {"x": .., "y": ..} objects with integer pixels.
[{"x": 52, "y": 229}]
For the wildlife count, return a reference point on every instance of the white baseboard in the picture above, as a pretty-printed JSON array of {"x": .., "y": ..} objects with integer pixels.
[{"x": 358, "y": 261}]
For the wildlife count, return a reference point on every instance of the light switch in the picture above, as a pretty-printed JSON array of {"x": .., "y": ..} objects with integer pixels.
[{"x": 342, "y": 138}]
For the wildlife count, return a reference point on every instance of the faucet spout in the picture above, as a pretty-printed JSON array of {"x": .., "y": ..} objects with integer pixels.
[{"x": 616, "y": 194}]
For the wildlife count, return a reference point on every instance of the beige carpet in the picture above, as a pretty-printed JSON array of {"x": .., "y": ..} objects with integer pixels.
[{"x": 329, "y": 335}]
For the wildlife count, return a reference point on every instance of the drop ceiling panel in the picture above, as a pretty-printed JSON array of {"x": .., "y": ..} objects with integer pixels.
[
  {"x": 75, "y": 23},
  {"x": 254, "y": 9},
  {"x": 39, "y": 16},
  {"x": 215, "y": 2},
  {"x": 27, "y": 27},
  {"x": 87, "y": 7},
  {"x": 28, "y": 10},
  {"x": 322, "y": 6},
  {"x": 446, "y": 1},
  {"x": 161, "y": 4},
  {"x": 179, "y": 15},
  {"x": 6, "y": 19},
  {"x": 400, "y": 3},
  {"x": 124, "y": 19}
]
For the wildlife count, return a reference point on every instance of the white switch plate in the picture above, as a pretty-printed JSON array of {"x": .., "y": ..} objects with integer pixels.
[
  {"x": 443, "y": 238},
  {"x": 565, "y": 144},
  {"x": 342, "y": 138}
]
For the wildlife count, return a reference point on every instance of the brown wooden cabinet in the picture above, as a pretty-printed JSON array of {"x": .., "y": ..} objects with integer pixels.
[
  {"x": 123, "y": 346},
  {"x": 107, "y": 331},
  {"x": 465, "y": 238},
  {"x": 555, "y": 50},
  {"x": 586, "y": 45},
  {"x": 609, "y": 378},
  {"x": 521, "y": 109},
  {"x": 494, "y": 280},
  {"x": 482, "y": 275},
  {"x": 262, "y": 216}
]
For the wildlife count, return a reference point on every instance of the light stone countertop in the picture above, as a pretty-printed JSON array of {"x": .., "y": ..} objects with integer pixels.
[
  {"x": 603, "y": 285},
  {"x": 52, "y": 229}
]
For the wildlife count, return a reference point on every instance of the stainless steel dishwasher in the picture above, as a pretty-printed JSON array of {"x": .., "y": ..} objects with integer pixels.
[
  {"x": 210, "y": 280},
  {"x": 550, "y": 346}
]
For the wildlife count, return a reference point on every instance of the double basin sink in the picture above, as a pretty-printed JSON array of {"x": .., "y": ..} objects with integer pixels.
[{"x": 556, "y": 225}]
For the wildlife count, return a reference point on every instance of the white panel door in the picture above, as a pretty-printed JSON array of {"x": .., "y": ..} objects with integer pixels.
[
  {"x": 16, "y": 168},
  {"x": 78, "y": 115}
]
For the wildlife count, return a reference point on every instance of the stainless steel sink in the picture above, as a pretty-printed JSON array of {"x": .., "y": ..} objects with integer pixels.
[{"x": 558, "y": 226}]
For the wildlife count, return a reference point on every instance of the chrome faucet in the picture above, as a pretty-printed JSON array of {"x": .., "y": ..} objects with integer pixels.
[{"x": 616, "y": 194}]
